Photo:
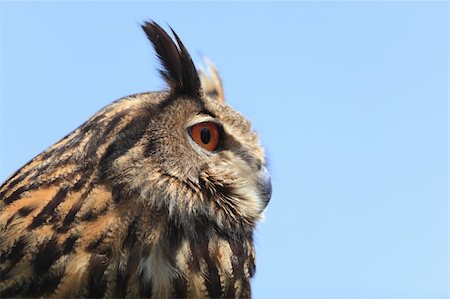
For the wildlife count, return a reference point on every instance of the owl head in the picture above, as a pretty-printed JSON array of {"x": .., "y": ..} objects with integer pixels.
[{"x": 197, "y": 156}]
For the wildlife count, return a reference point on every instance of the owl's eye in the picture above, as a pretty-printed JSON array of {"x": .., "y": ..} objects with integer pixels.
[{"x": 206, "y": 135}]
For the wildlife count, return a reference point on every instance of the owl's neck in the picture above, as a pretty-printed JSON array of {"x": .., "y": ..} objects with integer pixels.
[{"x": 204, "y": 265}]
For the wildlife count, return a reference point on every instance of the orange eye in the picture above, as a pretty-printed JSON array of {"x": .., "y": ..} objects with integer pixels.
[{"x": 206, "y": 135}]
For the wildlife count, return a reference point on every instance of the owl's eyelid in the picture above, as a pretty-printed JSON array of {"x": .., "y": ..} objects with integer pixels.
[{"x": 202, "y": 119}]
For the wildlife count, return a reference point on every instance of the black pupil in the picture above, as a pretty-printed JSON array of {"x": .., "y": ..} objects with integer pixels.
[{"x": 205, "y": 135}]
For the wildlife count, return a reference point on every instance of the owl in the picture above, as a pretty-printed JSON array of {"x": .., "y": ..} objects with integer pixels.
[{"x": 155, "y": 196}]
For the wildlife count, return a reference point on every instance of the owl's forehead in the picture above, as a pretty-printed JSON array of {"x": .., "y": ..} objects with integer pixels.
[
  {"x": 228, "y": 115},
  {"x": 236, "y": 124}
]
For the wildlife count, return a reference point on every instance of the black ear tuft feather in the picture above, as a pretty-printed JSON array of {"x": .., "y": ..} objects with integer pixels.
[{"x": 178, "y": 69}]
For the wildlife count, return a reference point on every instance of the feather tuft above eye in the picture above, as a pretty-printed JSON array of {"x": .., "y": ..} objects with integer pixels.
[
  {"x": 178, "y": 69},
  {"x": 211, "y": 82}
]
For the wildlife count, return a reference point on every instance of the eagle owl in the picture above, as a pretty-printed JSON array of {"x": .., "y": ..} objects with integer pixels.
[{"x": 155, "y": 196}]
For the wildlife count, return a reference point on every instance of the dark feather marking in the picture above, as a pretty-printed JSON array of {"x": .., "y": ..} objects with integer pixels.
[
  {"x": 194, "y": 264},
  {"x": 47, "y": 254},
  {"x": 245, "y": 288},
  {"x": 16, "y": 194},
  {"x": 230, "y": 292},
  {"x": 92, "y": 215},
  {"x": 16, "y": 253},
  {"x": 13, "y": 179},
  {"x": 92, "y": 123},
  {"x": 51, "y": 167},
  {"x": 175, "y": 234},
  {"x": 96, "y": 279},
  {"x": 2, "y": 193},
  {"x": 10, "y": 219},
  {"x": 49, "y": 208},
  {"x": 180, "y": 286},
  {"x": 89, "y": 216},
  {"x": 237, "y": 260},
  {"x": 99, "y": 138},
  {"x": 112, "y": 152},
  {"x": 150, "y": 148},
  {"x": 117, "y": 192},
  {"x": 69, "y": 244},
  {"x": 123, "y": 275},
  {"x": 22, "y": 212},
  {"x": 200, "y": 250},
  {"x": 131, "y": 236},
  {"x": 25, "y": 211},
  {"x": 70, "y": 216},
  {"x": 125, "y": 140},
  {"x": 11, "y": 184},
  {"x": 68, "y": 219},
  {"x": 213, "y": 280},
  {"x": 121, "y": 283},
  {"x": 44, "y": 284},
  {"x": 87, "y": 172},
  {"x": 145, "y": 288},
  {"x": 92, "y": 246},
  {"x": 54, "y": 153},
  {"x": 69, "y": 145},
  {"x": 10, "y": 292}
]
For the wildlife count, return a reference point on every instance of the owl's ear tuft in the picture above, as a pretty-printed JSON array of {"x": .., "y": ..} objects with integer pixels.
[
  {"x": 178, "y": 69},
  {"x": 211, "y": 82}
]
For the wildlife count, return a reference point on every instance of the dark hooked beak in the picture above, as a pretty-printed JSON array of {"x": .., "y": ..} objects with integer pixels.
[{"x": 265, "y": 186}]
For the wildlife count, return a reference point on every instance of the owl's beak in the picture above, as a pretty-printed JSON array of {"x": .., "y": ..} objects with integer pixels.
[{"x": 265, "y": 186}]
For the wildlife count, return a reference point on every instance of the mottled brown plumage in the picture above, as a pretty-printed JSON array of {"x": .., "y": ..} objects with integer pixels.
[{"x": 130, "y": 204}]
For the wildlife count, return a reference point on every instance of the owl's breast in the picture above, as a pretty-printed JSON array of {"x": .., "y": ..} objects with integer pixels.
[{"x": 215, "y": 268}]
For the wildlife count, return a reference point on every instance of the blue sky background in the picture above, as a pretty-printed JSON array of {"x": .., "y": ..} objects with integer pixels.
[{"x": 350, "y": 99}]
